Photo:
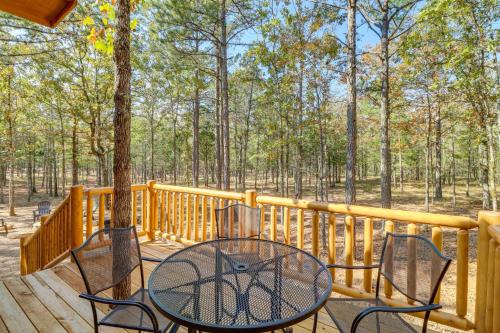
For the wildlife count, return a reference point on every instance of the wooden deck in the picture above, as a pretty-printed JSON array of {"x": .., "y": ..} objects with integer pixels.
[{"x": 47, "y": 301}]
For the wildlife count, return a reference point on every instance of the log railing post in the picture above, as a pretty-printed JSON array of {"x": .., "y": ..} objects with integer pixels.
[
  {"x": 76, "y": 215},
  {"x": 151, "y": 202},
  {"x": 251, "y": 198},
  {"x": 486, "y": 218},
  {"x": 44, "y": 243},
  {"x": 23, "y": 258}
]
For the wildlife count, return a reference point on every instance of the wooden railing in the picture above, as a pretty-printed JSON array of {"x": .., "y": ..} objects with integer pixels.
[
  {"x": 50, "y": 243},
  {"x": 187, "y": 215},
  {"x": 487, "y": 317},
  {"x": 97, "y": 199}
]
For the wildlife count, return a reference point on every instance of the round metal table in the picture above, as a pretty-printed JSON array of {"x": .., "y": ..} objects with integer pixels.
[{"x": 239, "y": 285}]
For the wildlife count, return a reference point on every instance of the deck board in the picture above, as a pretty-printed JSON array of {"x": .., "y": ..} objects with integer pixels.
[{"x": 48, "y": 301}]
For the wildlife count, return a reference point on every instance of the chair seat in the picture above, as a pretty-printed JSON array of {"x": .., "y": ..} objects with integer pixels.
[
  {"x": 133, "y": 317},
  {"x": 344, "y": 310}
]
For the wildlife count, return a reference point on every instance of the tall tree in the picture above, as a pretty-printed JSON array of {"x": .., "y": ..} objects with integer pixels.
[
  {"x": 350, "y": 179},
  {"x": 121, "y": 161}
]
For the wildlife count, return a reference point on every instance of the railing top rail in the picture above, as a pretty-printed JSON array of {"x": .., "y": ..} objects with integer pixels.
[
  {"x": 109, "y": 190},
  {"x": 201, "y": 191},
  {"x": 460, "y": 222},
  {"x": 494, "y": 231}
]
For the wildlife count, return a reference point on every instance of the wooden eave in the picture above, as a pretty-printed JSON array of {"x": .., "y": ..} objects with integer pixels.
[{"x": 45, "y": 12}]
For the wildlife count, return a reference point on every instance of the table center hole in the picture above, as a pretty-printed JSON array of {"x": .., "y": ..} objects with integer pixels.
[{"x": 240, "y": 266}]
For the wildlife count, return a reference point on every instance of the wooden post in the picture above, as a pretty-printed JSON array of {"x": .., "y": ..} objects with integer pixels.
[
  {"x": 76, "y": 215},
  {"x": 262, "y": 221},
  {"x": 300, "y": 228},
  {"x": 43, "y": 242},
  {"x": 411, "y": 274},
  {"x": 251, "y": 198},
  {"x": 189, "y": 204},
  {"x": 437, "y": 239},
  {"x": 490, "y": 285},
  {"x": 462, "y": 272},
  {"x": 213, "y": 230},
  {"x": 486, "y": 218},
  {"x": 196, "y": 218},
  {"x": 389, "y": 251},
  {"x": 23, "y": 259},
  {"x": 88, "y": 227},
  {"x": 286, "y": 225},
  {"x": 151, "y": 203},
  {"x": 204, "y": 211},
  {"x": 162, "y": 211},
  {"x": 496, "y": 296},
  {"x": 134, "y": 208},
  {"x": 332, "y": 240},
  {"x": 102, "y": 204},
  {"x": 315, "y": 234},
  {"x": 349, "y": 247},
  {"x": 273, "y": 223},
  {"x": 368, "y": 255}
]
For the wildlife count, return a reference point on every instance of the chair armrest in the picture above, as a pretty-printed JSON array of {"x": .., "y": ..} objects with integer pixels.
[
  {"x": 111, "y": 301},
  {"x": 151, "y": 259},
  {"x": 373, "y": 309},
  {"x": 352, "y": 267}
]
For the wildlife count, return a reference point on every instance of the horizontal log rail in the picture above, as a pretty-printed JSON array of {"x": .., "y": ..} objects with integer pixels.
[{"x": 187, "y": 215}]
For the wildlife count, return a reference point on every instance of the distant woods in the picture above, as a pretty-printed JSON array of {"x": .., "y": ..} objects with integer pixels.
[{"x": 281, "y": 95}]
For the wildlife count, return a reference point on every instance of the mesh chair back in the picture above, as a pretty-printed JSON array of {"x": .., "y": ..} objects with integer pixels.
[
  {"x": 413, "y": 266},
  {"x": 100, "y": 266},
  {"x": 238, "y": 221},
  {"x": 44, "y": 207}
]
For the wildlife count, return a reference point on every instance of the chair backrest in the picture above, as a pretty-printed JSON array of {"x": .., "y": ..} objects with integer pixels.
[
  {"x": 43, "y": 207},
  {"x": 107, "y": 257},
  {"x": 413, "y": 266},
  {"x": 238, "y": 221}
]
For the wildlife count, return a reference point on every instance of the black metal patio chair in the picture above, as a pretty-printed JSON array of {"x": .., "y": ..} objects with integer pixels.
[
  {"x": 411, "y": 265},
  {"x": 102, "y": 268},
  {"x": 237, "y": 221},
  {"x": 43, "y": 208}
]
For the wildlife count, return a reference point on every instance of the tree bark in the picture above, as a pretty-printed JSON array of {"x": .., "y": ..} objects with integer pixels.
[
  {"x": 12, "y": 148},
  {"x": 196, "y": 131},
  {"x": 350, "y": 182},
  {"x": 385, "y": 148},
  {"x": 438, "y": 191},
  {"x": 74, "y": 153},
  {"x": 226, "y": 170},
  {"x": 121, "y": 162}
]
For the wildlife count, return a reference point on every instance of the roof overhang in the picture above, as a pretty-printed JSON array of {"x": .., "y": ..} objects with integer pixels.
[{"x": 45, "y": 12}]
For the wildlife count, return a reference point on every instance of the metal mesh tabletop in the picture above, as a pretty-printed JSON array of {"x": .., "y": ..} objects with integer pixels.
[{"x": 239, "y": 284}]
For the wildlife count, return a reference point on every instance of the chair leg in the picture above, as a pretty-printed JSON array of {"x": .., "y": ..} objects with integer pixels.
[{"x": 315, "y": 324}]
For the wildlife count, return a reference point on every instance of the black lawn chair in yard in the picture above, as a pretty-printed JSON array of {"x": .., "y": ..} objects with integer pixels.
[
  {"x": 414, "y": 267},
  {"x": 43, "y": 209},
  {"x": 237, "y": 221},
  {"x": 102, "y": 270}
]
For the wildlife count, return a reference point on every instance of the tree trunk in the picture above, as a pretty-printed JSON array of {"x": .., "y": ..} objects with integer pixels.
[
  {"x": 350, "y": 181},
  {"x": 74, "y": 153},
  {"x": 226, "y": 170},
  {"x": 467, "y": 185},
  {"x": 385, "y": 148},
  {"x": 63, "y": 161},
  {"x": 121, "y": 162},
  {"x": 438, "y": 192},
  {"x": 218, "y": 137},
  {"x": 400, "y": 157},
  {"x": 428, "y": 157},
  {"x": 12, "y": 148},
  {"x": 196, "y": 131},
  {"x": 454, "y": 193}
]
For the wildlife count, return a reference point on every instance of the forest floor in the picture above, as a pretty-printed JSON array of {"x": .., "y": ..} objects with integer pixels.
[{"x": 368, "y": 193}]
